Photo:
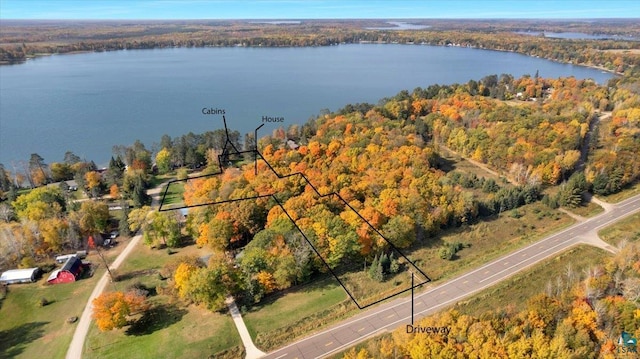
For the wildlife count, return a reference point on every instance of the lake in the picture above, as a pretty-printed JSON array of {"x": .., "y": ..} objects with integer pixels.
[{"x": 86, "y": 103}]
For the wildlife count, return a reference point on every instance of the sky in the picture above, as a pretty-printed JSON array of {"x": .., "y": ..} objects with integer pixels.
[{"x": 316, "y": 9}]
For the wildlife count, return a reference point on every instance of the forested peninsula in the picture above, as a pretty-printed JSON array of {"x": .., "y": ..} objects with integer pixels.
[{"x": 22, "y": 39}]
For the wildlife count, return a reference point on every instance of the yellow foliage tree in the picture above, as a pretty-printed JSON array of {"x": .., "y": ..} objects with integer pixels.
[
  {"x": 267, "y": 281},
  {"x": 182, "y": 276}
]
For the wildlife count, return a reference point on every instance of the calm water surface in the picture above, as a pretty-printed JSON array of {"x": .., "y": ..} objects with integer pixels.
[{"x": 87, "y": 103}]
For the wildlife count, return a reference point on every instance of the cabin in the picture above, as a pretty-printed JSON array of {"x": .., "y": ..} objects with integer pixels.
[
  {"x": 13, "y": 276},
  {"x": 70, "y": 271}
]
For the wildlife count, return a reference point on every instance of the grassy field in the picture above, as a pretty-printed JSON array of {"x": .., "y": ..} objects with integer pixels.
[
  {"x": 488, "y": 239},
  {"x": 628, "y": 228},
  {"x": 518, "y": 289},
  {"x": 26, "y": 327},
  {"x": 297, "y": 312},
  {"x": 170, "y": 330},
  {"x": 629, "y": 191},
  {"x": 173, "y": 199},
  {"x": 587, "y": 210}
]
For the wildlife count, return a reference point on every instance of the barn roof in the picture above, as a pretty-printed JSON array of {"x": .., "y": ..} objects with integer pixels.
[
  {"x": 17, "y": 274},
  {"x": 71, "y": 265},
  {"x": 53, "y": 275}
]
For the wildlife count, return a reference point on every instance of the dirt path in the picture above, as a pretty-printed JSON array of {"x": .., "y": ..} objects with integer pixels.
[
  {"x": 79, "y": 336},
  {"x": 480, "y": 165}
]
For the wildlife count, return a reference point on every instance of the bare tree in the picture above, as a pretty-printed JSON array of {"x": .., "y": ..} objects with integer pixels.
[
  {"x": 6, "y": 213},
  {"x": 631, "y": 289},
  {"x": 570, "y": 273}
]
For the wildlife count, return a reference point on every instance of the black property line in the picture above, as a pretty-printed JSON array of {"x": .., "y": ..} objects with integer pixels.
[
  {"x": 273, "y": 194},
  {"x": 225, "y": 154},
  {"x": 318, "y": 253}
]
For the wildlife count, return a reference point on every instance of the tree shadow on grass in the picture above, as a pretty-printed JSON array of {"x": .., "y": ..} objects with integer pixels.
[
  {"x": 134, "y": 274},
  {"x": 156, "y": 318},
  {"x": 13, "y": 341}
]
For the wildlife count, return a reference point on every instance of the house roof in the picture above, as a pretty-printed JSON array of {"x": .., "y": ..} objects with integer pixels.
[{"x": 17, "y": 274}]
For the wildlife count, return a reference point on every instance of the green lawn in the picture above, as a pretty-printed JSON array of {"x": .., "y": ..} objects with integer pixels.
[
  {"x": 628, "y": 228},
  {"x": 26, "y": 327},
  {"x": 488, "y": 239},
  {"x": 174, "y": 195},
  {"x": 282, "y": 317},
  {"x": 171, "y": 330}
]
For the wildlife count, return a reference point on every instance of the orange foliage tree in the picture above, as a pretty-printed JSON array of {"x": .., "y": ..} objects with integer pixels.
[{"x": 112, "y": 310}]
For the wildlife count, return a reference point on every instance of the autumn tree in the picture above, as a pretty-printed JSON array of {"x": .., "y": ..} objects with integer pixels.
[
  {"x": 94, "y": 217},
  {"x": 112, "y": 310},
  {"x": 40, "y": 203},
  {"x": 156, "y": 226},
  {"x": 163, "y": 161},
  {"x": 93, "y": 182},
  {"x": 38, "y": 170},
  {"x": 162, "y": 226},
  {"x": 54, "y": 233}
]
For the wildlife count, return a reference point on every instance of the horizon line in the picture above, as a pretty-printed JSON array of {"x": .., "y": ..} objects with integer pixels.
[{"x": 322, "y": 18}]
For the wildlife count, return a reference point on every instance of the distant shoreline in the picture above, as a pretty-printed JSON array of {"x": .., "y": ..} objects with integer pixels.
[{"x": 36, "y": 56}]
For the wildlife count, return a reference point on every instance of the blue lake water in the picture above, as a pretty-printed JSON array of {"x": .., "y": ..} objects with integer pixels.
[{"x": 86, "y": 103}]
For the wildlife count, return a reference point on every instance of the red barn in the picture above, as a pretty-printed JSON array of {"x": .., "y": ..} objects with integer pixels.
[{"x": 69, "y": 272}]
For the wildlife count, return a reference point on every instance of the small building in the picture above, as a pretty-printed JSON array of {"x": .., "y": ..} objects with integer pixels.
[
  {"x": 70, "y": 271},
  {"x": 292, "y": 144},
  {"x": 12, "y": 276},
  {"x": 64, "y": 258}
]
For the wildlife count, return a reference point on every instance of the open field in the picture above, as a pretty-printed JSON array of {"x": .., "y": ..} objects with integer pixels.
[
  {"x": 170, "y": 330},
  {"x": 626, "y": 229},
  {"x": 173, "y": 198},
  {"x": 26, "y": 327},
  {"x": 299, "y": 311},
  {"x": 29, "y": 327},
  {"x": 488, "y": 239},
  {"x": 587, "y": 210}
]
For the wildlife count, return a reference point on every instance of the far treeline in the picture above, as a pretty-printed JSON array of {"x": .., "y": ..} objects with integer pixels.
[
  {"x": 22, "y": 39},
  {"x": 383, "y": 159}
]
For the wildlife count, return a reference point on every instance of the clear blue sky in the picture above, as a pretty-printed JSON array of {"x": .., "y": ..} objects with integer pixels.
[{"x": 315, "y": 9}]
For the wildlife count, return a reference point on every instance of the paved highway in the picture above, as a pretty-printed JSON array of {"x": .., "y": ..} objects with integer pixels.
[{"x": 398, "y": 312}]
